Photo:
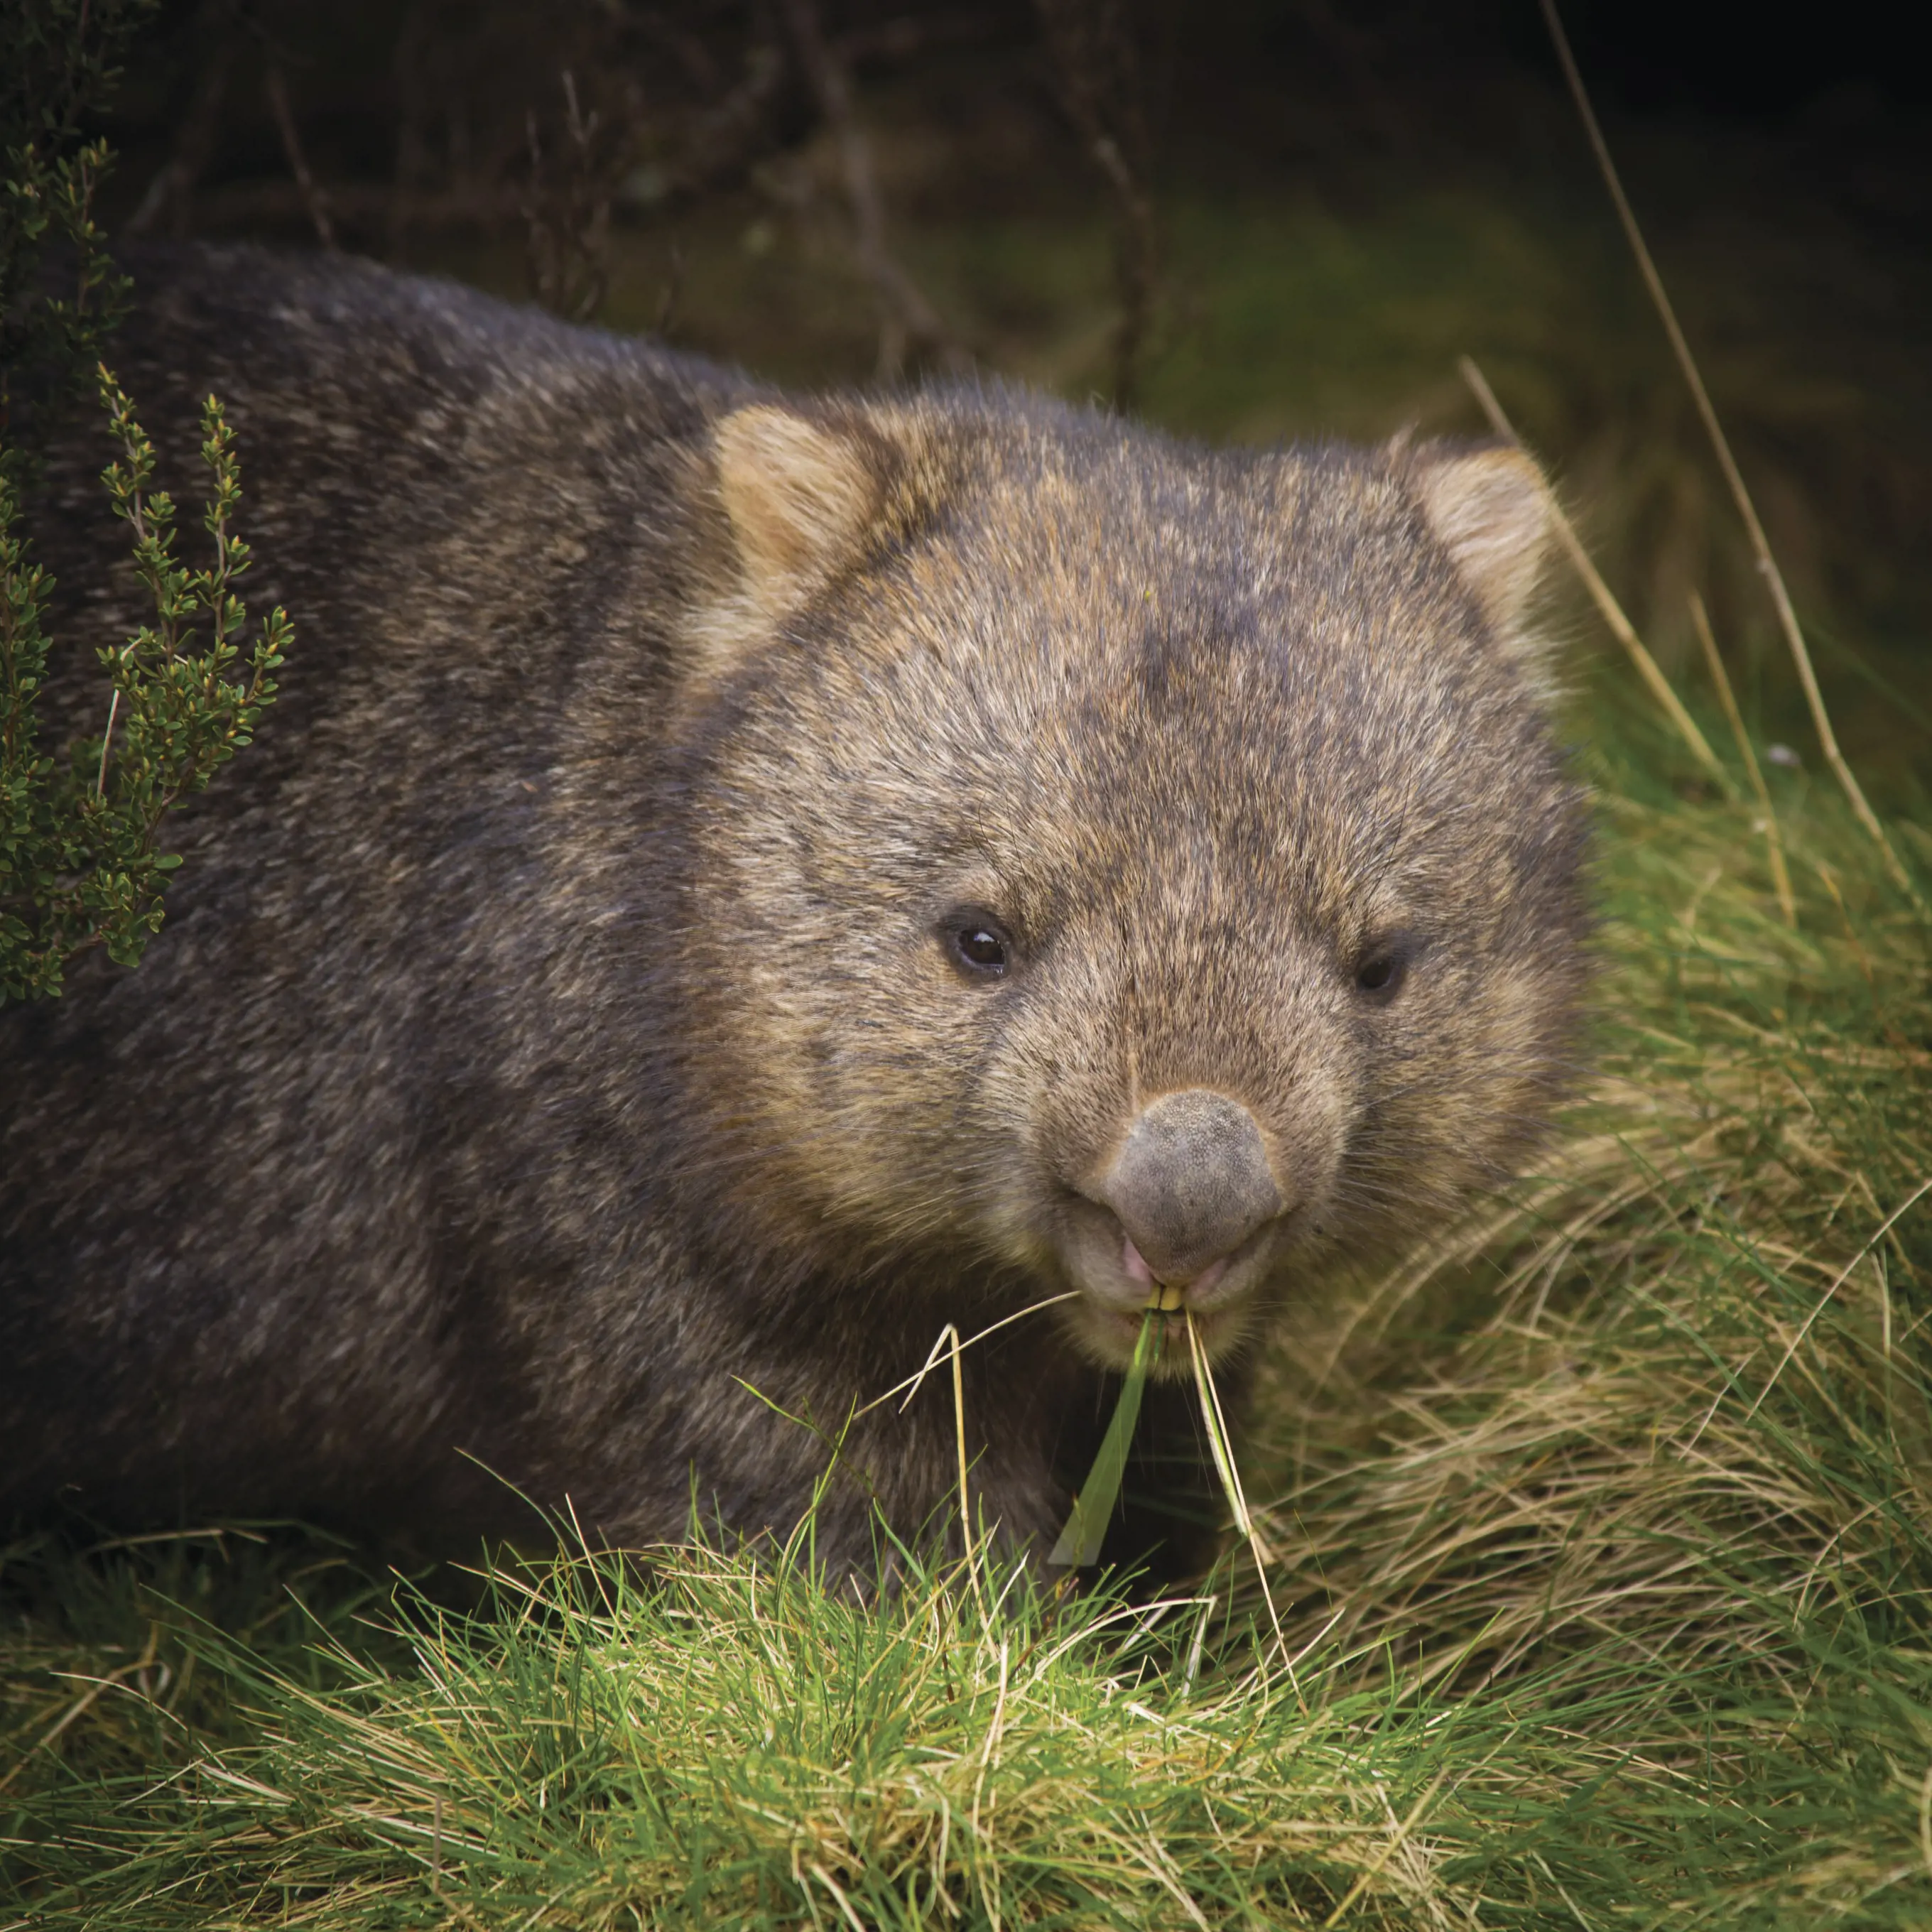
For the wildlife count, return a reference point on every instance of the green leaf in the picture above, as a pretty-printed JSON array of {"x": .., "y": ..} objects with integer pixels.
[{"x": 1092, "y": 1509}]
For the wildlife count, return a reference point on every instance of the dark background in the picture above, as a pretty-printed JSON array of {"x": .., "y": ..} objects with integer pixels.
[{"x": 1324, "y": 205}]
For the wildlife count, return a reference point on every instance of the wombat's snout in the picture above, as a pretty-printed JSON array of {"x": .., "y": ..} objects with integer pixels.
[{"x": 1191, "y": 1182}]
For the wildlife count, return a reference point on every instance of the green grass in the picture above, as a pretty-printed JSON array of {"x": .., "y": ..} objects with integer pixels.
[{"x": 1601, "y": 1533}]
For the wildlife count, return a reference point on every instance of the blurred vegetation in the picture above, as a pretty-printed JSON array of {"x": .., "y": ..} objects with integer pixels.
[{"x": 1338, "y": 207}]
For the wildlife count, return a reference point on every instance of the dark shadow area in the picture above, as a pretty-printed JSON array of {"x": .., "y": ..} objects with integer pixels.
[{"x": 1247, "y": 221}]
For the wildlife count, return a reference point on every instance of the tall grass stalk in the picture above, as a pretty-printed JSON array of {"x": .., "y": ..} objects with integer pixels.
[
  {"x": 1621, "y": 628},
  {"x": 1767, "y": 563}
]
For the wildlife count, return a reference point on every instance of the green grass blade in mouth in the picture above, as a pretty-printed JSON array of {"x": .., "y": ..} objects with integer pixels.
[{"x": 1092, "y": 1509}]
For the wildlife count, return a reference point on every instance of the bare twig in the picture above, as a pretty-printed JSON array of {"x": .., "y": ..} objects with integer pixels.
[
  {"x": 568, "y": 210},
  {"x": 906, "y": 318},
  {"x": 313, "y": 199},
  {"x": 411, "y": 119},
  {"x": 1780, "y": 878},
  {"x": 1767, "y": 564},
  {"x": 1601, "y": 594},
  {"x": 1093, "y": 47},
  {"x": 171, "y": 192},
  {"x": 106, "y": 744},
  {"x": 722, "y": 142}
]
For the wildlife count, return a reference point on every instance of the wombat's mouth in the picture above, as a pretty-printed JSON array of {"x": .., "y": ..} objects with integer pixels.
[
  {"x": 1219, "y": 1330},
  {"x": 1116, "y": 1286},
  {"x": 1186, "y": 1210}
]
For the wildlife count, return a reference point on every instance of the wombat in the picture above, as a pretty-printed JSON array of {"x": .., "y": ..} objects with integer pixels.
[{"x": 733, "y": 884}]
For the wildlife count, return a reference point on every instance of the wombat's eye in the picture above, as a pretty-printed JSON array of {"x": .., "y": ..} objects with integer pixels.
[
  {"x": 1380, "y": 973},
  {"x": 977, "y": 942}
]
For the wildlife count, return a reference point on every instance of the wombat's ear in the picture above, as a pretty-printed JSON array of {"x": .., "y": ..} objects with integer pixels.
[
  {"x": 802, "y": 496},
  {"x": 1490, "y": 509}
]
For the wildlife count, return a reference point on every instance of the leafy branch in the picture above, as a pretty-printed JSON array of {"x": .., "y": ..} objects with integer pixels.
[
  {"x": 50, "y": 341},
  {"x": 79, "y": 863}
]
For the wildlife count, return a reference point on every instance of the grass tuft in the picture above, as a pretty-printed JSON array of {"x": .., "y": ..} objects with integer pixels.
[{"x": 737, "y": 1743}]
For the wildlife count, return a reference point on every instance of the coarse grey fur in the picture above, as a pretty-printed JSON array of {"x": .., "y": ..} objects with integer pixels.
[{"x": 554, "y": 1035}]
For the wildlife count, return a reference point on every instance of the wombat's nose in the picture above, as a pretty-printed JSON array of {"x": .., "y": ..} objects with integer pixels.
[{"x": 1191, "y": 1182}]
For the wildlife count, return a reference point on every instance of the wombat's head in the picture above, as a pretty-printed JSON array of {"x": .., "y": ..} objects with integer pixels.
[{"x": 1147, "y": 868}]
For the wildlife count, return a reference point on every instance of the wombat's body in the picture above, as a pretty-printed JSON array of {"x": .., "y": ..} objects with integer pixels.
[{"x": 727, "y": 889}]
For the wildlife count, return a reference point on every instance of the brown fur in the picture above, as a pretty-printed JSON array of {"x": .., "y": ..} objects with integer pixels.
[{"x": 553, "y": 1031}]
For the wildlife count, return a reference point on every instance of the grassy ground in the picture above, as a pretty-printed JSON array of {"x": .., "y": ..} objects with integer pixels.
[{"x": 1601, "y": 1536}]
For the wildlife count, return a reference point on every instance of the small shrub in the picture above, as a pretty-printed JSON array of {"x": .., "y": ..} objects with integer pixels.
[{"x": 80, "y": 865}]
